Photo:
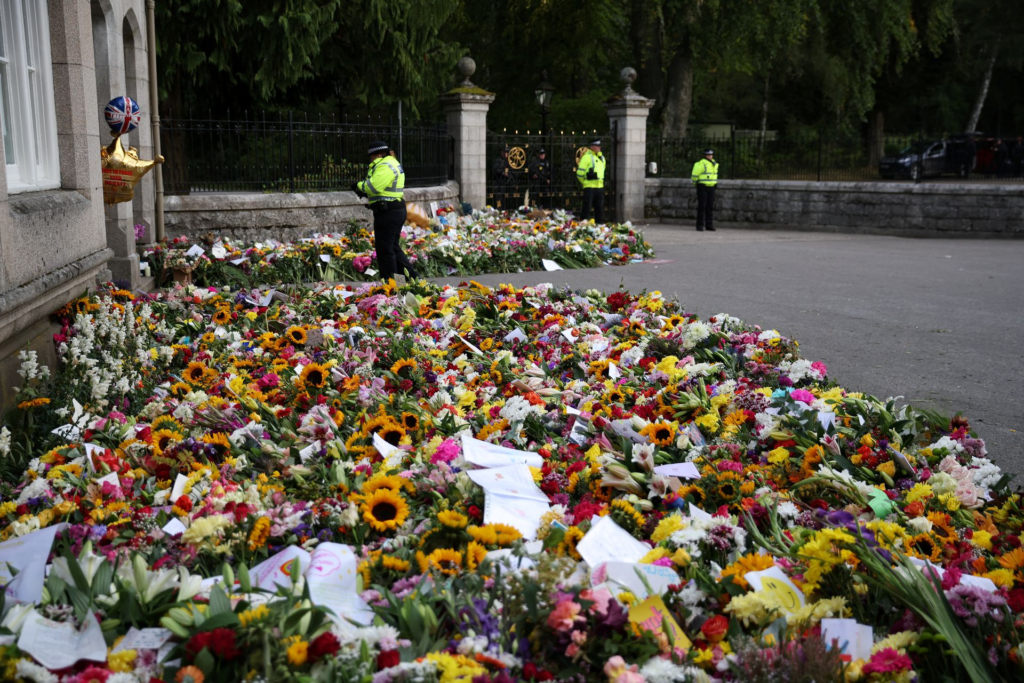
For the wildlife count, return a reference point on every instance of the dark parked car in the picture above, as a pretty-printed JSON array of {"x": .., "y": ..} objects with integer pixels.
[{"x": 929, "y": 159}]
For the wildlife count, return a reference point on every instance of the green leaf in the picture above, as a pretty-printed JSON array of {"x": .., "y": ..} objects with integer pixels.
[
  {"x": 219, "y": 602},
  {"x": 205, "y": 661},
  {"x": 219, "y": 621}
]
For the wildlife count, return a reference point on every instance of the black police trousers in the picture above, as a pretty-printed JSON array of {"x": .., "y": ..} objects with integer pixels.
[
  {"x": 705, "y": 206},
  {"x": 593, "y": 197},
  {"x": 388, "y": 219}
]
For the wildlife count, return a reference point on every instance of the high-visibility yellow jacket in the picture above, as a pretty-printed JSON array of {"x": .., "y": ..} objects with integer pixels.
[
  {"x": 705, "y": 172},
  {"x": 385, "y": 180},
  {"x": 591, "y": 161}
]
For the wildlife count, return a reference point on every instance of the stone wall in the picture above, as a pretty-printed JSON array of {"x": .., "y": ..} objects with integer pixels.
[
  {"x": 251, "y": 217},
  {"x": 53, "y": 243},
  {"x": 929, "y": 209}
]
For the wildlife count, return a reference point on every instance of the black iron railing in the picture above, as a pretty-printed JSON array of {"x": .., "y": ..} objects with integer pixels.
[
  {"x": 827, "y": 156},
  {"x": 288, "y": 152}
]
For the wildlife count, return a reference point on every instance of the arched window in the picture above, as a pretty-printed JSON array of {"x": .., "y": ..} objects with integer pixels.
[{"x": 27, "y": 115}]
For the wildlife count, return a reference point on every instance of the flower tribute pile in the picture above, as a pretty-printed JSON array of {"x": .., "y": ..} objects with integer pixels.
[
  {"x": 485, "y": 485},
  {"x": 485, "y": 242}
]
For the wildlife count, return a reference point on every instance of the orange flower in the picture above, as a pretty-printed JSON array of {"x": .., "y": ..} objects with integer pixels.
[{"x": 190, "y": 674}]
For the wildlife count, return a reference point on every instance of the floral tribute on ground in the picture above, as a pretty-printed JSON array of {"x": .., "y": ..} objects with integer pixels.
[
  {"x": 484, "y": 242},
  {"x": 485, "y": 485}
]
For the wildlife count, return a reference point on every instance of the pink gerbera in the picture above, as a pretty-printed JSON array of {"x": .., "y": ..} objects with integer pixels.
[{"x": 888, "y": 661}]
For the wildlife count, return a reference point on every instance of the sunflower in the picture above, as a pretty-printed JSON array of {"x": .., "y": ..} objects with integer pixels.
[
  {"x": 494, "y": 534},
  {"x": 195, "y": 372},
  {"x": 627, "y": 514},
  {"x": 385, "y": 510},
  {"x": 314, "y": 375},
  {"x": 163, "y": 438},
  {"x": 401, "y": 365},
  {"x": 925, "y": 547},
  {"x": 727, "y": 485},
  {"x": 942, "y": 527},
  {"x": 748, "y": 563},
  {"x": 209, "y": 338},
  {"x": 410, "y": 421},
  {"x": 616, "y": 395},
  {"x": 222, "y": 316},
  {"x": 674, "y": 320},
  {"x": 296, "y": 335},
  {"x": 218, "y": 439},
  {"x": 452, "y": 519},
  {"x": 445, "y": 560},
  {"x": 386, "y": 481},
  {"x": 475, "y": 554},
  {"x": 568, "y": 544},
  {"x": 660, "y": 433},
  {"x": 166, "y": 422},
  {"x": 376, "y": 424},
  {"x": 392, "y": 433},
  {"x": 394, "y": 564}
]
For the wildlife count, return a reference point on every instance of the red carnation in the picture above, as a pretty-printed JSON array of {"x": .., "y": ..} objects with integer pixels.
[
  {"x": 326, "y": 645},
  {"x": 222, "y": 643},
  {"x": 388, "y": 659},
  {"x": 1015, "y": 598},
  {"x": 184, "y": 503}
]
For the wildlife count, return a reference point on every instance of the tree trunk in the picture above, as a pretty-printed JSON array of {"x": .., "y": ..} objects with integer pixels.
[
  {"x": 645, "y": 34},
  {"x": 678, "y": 95},
  {"x": 876, "y": 138},
  {"x": 764, "y": 116},
  {"x": 979, "y": 103}
]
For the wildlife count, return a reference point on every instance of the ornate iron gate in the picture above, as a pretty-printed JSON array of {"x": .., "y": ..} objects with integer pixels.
[{"x": 551, "y": 181}]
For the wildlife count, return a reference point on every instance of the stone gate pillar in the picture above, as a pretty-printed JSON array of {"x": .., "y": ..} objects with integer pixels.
[
  {"x": 466, "y": 106},
  {"x": 628, "y": 112}
]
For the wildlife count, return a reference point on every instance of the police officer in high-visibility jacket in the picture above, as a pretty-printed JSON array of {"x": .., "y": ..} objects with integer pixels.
[
  {"x": 590, "y": 174},
  {"x": 384, "y": 186},
  {"x": 705, "y": 177}
]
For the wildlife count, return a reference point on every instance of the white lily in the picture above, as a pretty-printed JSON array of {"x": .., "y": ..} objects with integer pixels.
[
  {"x": 89, "y": 561},
  {"x": 190, "y": 584},
  {"x": 147, "y": 584}
]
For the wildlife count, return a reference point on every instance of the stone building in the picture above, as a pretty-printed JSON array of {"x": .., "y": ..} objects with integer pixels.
[{"x": 61, "y": 61}]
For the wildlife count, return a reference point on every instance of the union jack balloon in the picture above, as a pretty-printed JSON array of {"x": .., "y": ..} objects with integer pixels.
[{"x": 122, "y": 115}]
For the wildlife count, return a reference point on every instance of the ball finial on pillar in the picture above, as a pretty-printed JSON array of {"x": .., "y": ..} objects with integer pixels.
[
  {"x": 467, "y": 67},
  {"x": 628, "y": 77}
]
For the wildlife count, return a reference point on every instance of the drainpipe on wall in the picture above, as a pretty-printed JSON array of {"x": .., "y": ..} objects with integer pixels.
[{"x": 154, "y": 104}]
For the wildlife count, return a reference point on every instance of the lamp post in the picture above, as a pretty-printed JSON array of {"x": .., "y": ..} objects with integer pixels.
[{"x": 544, "y": 92}]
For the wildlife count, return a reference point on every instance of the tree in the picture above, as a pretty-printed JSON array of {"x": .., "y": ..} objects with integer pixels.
[
  {"x": 992, "y": 32},
  {"x": 262, "y": 46},
  {"x": 272, "y": 51}
]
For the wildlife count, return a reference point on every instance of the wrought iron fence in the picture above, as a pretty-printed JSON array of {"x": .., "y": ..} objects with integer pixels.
[
  {"x": 282, "y": 152},
  {"x": 827, "y": 156},
  {"x": 551, "y": 181}
]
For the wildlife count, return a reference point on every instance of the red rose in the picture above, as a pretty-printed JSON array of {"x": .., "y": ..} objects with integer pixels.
[
  {"x": 222, "y": 643},
  {"x": 715, "y": 628},
  {"x": 326, "y": 645},
  {"x": 1016, "y": 600},
  {"x": 388, "y": 659}
]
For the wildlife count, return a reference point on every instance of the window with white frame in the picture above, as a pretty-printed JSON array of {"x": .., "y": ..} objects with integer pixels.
[{"x": 27, "y": 116}]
